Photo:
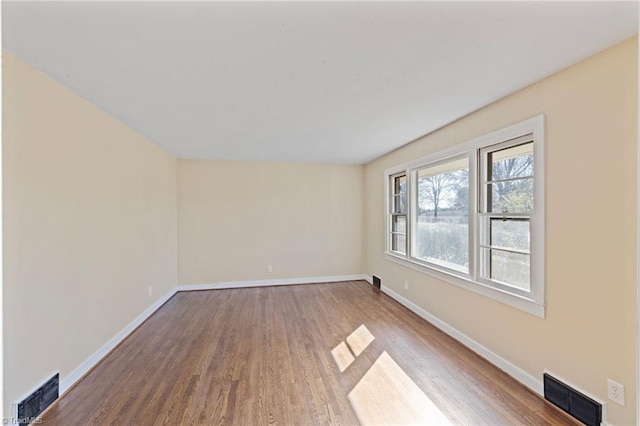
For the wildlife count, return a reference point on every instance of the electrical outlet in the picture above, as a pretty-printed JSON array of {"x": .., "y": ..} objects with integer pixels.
[
  {"x": 615, "y": 391},
  {"x": 406, "y": 285},
  {"x": 150, "y": 290},
  {"x": 269, "y": 268}
]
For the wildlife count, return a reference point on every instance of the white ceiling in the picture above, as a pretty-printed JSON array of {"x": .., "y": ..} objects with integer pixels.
[{"x": 305, "y": 82}]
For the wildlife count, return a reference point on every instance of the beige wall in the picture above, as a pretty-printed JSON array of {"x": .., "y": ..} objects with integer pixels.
[
  {"x": 235, "y": 218},
  {"x": 589, "y": 332},
  {"x": 90, "y": 223}
]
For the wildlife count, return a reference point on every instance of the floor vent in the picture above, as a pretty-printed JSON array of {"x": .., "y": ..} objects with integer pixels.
[
  {"x": 30, "y": 407},
  {"x": 376, "y": 281},
  {"x": 573, "y": 402}
]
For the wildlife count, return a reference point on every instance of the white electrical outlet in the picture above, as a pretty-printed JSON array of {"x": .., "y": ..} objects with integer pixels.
[
  {"x": 406, "y": 285},
  {"x": 269, "y": 268},
  {"x": 615, "y": 391},
  {"x": 150, "y": 291}
]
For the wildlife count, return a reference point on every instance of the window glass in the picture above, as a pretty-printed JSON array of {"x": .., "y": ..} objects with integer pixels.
[
  {"x": 508, "y": 268},
  {"x": 509, "y": 174},
  {"x": 399, "y": 243},
  {"x": 510, "y": 233},
  {"x": 513, "y": 196},
  {"x": 399, "y": 224},
  {"x": 399, "y": 194},
  {"x": 512, "y": 162},
  {"x": 442, "y": 223}
]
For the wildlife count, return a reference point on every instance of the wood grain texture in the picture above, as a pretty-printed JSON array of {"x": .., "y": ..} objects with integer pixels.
[{"x": 338, "y": 353}]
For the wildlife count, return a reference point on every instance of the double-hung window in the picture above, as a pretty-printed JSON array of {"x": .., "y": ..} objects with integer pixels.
[
  {"x": 398, "y": 214},
  {"x": 473, "y": 215},
  {"x": 506, "y": 176}
]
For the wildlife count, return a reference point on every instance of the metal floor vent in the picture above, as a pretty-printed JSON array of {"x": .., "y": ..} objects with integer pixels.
[
  {"x": 573, "y": 402},
  {"x": 30, "y": 407}
]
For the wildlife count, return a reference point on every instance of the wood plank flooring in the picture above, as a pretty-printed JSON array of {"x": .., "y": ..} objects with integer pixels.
[{"x": 337, "y": 353}]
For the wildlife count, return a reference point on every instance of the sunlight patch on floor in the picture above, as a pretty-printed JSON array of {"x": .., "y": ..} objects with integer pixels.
[
  {"x": 386, "y": 395},
  {"x": 343, "y": 356},
  {"x": 360, "y": 339},
  {"x": 345, "y": 353}
]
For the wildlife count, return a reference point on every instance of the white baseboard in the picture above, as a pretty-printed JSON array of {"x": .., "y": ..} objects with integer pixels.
[
  {"x": 368, "y": 278},
  {"x": 514, "y": 371},
  {"x": 93, "y": 360},
  {"x": 276, "y": 282}
]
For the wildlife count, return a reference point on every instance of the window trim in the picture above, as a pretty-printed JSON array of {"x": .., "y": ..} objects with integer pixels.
[{"x": 534, "y": 301}]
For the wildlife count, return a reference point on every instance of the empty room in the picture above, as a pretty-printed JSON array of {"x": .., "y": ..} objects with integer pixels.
[{"x": 297, "y": 213}]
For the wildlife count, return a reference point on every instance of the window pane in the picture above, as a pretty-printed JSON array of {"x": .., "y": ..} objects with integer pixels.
[
  {"x": 442, "y": 228},
  {"x": 509, "y": 268},
  {"x": 399, "y": 243},
  {"x": 399, "y": 184},
  {"x": 510, "y": 233},
  {"x": 399, "y": 224},
  {"x": 514, "y": 196},
  {"x": 399, "y": 195},
  {"x": 399, "y": 204},
  {"x": 514, "y": 162}
]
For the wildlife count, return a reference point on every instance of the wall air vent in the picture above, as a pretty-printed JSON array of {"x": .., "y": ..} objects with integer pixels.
[
  {"x": 573, "y": 402},
  {"x": 376, "y": 281},
  {"x": 30, "y": 407}
]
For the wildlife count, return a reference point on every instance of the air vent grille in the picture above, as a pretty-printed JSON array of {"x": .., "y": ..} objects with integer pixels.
[
  {"x": 30, "y": 407},
  {"x": 573, "y": 402},
  {"x": 376, "y": 281}
]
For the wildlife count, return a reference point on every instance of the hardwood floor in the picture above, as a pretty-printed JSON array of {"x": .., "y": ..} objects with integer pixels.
[{"x": 338, "y": 353}]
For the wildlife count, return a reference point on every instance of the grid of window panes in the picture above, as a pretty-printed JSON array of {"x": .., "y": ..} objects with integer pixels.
[
  {"x": 440, "y": 228},
  {"x": 398, "y": 213},
  {"x": 506, "y": 205}
]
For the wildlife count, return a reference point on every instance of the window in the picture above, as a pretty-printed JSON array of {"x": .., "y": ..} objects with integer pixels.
[
  {"x": 442, "y": 214},
  {"x": 398, "y": 213},
  {"x": 473, "y": 215},
  {"x": 506, "y": 172}
]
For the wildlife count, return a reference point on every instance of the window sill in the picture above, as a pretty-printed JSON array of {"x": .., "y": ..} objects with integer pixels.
[{"x": 516, "y": 301}]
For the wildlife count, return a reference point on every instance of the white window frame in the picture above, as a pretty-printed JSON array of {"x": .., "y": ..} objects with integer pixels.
[
  {"x": 391, "y": 213},
  {"x": 533, "y": 301}
]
